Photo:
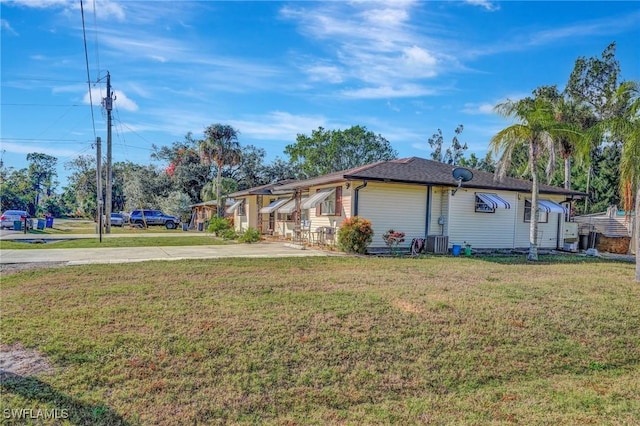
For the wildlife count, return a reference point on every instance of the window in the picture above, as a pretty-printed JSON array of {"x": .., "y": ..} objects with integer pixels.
[
  {"x": 483, "y": 207},
  {"x": 328, "y": 206},
  {"x": 242, "y": 209},
  {"x": 331, "y": 205},
  {"x": 543, "y": 216}
]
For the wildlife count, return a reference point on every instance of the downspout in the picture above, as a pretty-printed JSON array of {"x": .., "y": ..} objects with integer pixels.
[
  {"x": 355, "y": 197},
  {"x": 559, "y": 230},
  {"x": 428, "y": 216}
]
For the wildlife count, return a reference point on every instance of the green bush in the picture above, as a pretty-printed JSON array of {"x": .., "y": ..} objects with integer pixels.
[
  {"x": 217, "y": 225},
  {"x": 228, "y": 234},
  {"x": 250, "y": 235},
  {"x": 355, "y": 235}
]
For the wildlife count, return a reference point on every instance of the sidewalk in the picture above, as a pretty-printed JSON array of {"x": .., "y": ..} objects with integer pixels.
[
  {"x": 141, "y": 254},
  {"x": 30, "y": 236}
]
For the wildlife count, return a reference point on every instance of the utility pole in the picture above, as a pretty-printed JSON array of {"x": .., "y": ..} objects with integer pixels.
[
  {"x": 99, "y": 183},
  {"x": 108, "y": 104}
]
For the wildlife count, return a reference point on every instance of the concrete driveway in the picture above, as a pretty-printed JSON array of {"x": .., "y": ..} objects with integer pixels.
[{"x": 140, "y": 254}]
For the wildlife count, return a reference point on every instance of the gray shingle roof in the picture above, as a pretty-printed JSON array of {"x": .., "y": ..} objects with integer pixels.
[{"x": 417, "y": 170}]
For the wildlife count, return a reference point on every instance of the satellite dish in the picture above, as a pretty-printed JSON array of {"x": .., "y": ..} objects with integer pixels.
[{"x": 461, "y": 175}]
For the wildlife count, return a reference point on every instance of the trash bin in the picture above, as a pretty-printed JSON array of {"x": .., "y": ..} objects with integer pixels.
[
  {"x": 201, "y": 227},
  {"x": 17, "y": 225},
  {"x": 584, "y": 242},
  {"x": 185, "y": 226},
  {"x": 455, "y": 249},
  {"x": 49, "y": 222},
  {"x": 41, "y": 223}
]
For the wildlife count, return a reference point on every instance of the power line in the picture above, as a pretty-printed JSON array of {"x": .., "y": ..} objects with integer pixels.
[
  {"x": 40, "y": 140},
  {"x": 40, "y": 105},
  {"x": 86, "y": 58}
]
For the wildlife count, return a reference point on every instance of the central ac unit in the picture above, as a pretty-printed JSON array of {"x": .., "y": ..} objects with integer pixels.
[{"x": 438, "y": 244}]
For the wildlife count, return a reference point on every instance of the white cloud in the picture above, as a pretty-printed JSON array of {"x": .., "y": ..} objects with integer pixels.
[
  {"x": 325, "y": 73},
  {"x": 371, "y": 43},
  {"x": 104, "y": 9},
  {"x": 278, "y": 125},
  {"x": 19, "y": 147},
  {"x": 6, "y": 26},
  {"x": 490, "y": 6},
  {"x": 478, "y": 109},
  {"x": 402, "y": 91},
  {"x": 121, "y": 100}
]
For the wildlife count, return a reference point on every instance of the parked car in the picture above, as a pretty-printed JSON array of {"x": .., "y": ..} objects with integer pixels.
[
  {"x": 118, "y": 219},
  {"x": 10, "y": 216},
  {"x": 153, "y": 217}
]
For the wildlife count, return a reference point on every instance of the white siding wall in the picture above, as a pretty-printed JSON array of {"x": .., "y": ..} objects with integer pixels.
[
  {"x": 547, "y": 232},
  {"x": 394, "y": 206},
  {"x": 481, "y": 230},
  {"x": 439, "y": 207},
  {"x": 333, "y": 221}
]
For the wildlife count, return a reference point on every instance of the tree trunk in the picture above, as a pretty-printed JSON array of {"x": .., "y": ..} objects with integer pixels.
[
  {"x": 533, "y": 225},
  {"x": 567, "y": 173},
  {"x": 219, "y": 212},
  {"x": 637, "y": 235}
]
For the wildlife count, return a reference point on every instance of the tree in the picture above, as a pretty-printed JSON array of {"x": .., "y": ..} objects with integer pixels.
[
  {"x": 592, "y": 87},
  {"x": 280, "y": 169},
  {"x": 327, "y": 151},
  {"x": 567, "y": 111},
  {"x": 250, "y": 171},
  {"x": 625, "y": 126},
  {"x": 81, "y": 185},
  {"x": 221, "y": 148},
  {"x": 41, "y": 174},
  {"x": 487, "y": 164},
  {"x": 594, "y": 81},
  {"x": 15, "y": 192},
  {"x": 184, "y": 166},
  {"x": 536, "y": 131},
  {"x": 454, "y": 154}
]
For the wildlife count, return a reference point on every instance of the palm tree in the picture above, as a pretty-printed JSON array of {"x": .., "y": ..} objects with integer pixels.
[
  {"x": 625, "y": 126},
  {"x": 220, "y": 147},
  {"x": 537, "y": 130},
  {"x": 568, "y": 112}
]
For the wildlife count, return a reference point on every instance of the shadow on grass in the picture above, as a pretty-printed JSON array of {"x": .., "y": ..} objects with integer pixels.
[
  {"x": 66, "y": 407},
  {"x": 547, "y": 259}
]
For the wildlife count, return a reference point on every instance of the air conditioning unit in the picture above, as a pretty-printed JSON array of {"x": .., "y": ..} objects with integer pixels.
[{"x": 438, "y": 244}]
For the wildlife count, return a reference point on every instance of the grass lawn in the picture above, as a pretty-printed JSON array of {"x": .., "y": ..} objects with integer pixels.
[
  {"x": 116, "y": 242},
  {"x": 348, "y": 340}
]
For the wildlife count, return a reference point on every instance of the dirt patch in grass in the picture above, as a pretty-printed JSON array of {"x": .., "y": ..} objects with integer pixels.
[
  {"x": 13, "y": 268},
  {"x": 17, "y": 360}
]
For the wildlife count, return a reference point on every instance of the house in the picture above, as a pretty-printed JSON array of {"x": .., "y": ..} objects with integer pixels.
[
  {"x": 201, "y": 214},
  {"x": 609, "y": 231},
  {"x": 255, "y": 208},
  {"x": 418, "y": 197}
]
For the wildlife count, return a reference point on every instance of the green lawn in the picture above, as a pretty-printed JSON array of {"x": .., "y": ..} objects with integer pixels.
[
  {"x": 436, "y": 340},
  {"x": 116, "y": 242}
]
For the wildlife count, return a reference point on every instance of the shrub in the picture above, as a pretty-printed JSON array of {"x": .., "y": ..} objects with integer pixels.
[
  {"x": 393, "y": 239},
  {"x": 228, "y": 234},
  {"x": 250, "y": 235},
  {"x": 217, "y": 225},
  {"x": 355, "y": 235}
]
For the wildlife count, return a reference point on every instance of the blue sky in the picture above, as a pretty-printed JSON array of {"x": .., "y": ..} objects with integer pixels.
[{"x": 272, "y": 70}]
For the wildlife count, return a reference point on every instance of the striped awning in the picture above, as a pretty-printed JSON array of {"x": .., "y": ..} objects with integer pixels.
[
  {"x": 290, "y": 207},
  {"x": 317, "y": 198},
  {"x": 493, "y": 200},
  {"x": 551, "y": 207},
  {"x": 233, "y": 207},
  {"x": 273, "y": 206}
]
